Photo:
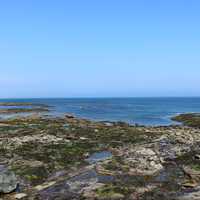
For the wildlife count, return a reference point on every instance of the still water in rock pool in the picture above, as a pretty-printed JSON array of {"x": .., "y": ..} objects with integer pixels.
[{"x": 99, "y": 156}]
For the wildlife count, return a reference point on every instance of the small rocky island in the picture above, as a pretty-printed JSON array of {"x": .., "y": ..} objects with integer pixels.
[
  {"x": 44, "y": 157},
  {"x": 15, "y": 108}
]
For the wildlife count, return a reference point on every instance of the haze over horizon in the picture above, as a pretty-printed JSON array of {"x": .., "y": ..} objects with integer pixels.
[{"x": 99, "y": 48}]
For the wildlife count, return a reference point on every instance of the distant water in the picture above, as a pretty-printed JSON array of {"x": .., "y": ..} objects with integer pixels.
[{"x": 147, "y": 111}]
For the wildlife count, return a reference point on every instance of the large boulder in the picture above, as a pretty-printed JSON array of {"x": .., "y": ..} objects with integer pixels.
[{"x": 8, "y": 180}]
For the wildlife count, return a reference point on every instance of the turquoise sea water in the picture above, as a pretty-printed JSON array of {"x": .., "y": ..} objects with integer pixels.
[{"x": 147, "y": 111}]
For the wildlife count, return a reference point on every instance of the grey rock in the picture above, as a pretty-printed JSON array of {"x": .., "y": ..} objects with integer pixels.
[
  {"x": 8, "y": 180},
  {"x": 193, "y": 195},
  {"x": 197, "y": 157},
  {"x": 69, "y": 116}
]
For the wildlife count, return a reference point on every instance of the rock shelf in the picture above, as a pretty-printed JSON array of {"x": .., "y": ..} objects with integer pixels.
[{"x": 72, "y": 158}]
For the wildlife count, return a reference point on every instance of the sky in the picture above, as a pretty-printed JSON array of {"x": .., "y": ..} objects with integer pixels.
[{"x": 106, "y": 48}]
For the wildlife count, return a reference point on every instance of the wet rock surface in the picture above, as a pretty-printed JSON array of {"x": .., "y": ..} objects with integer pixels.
[{"x": 72, "y": 158}]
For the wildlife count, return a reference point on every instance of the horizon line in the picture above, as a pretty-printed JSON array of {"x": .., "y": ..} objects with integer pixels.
[{"x": 93, "y": 97}]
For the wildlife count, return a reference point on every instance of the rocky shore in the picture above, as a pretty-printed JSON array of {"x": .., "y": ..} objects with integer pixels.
[
  {"x": 43, "y": 157},
  {"x": 16, "y": 108},
  {"x": 23, "y": 110}
]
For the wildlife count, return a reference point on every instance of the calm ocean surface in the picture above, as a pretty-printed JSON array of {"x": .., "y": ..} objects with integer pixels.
[{"x": 147, "y": 111}]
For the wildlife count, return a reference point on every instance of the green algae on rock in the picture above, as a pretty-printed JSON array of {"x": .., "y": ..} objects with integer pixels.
[
  {"x": 22, "y": 104},
  {"x": 189, "y": 119},
  {"x": 22, "y": 110}
]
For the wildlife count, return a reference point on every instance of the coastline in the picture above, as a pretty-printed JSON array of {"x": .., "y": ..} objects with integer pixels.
[
  {"x": 147, "y": 111},
  {"x": 98, "y": 160}
]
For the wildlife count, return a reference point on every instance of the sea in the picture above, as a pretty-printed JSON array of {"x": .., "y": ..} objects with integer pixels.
[{"x": 143, "y": 111}]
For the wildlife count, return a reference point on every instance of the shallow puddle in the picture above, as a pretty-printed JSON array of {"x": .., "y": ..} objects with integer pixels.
[{"x": 99, "y": 156}]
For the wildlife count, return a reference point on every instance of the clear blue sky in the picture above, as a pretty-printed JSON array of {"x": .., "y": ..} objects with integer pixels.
[{"x": 86, "y": 48}]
